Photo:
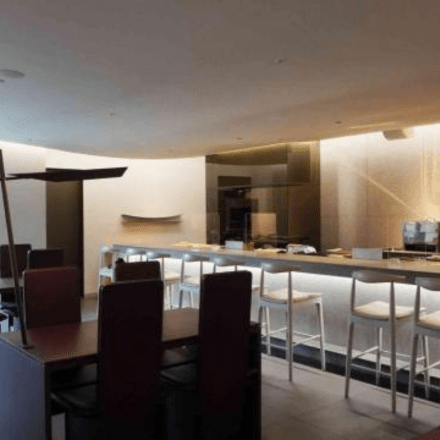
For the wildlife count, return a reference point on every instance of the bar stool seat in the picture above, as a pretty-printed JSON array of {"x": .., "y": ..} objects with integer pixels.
[
  {"x": 381, "y": 310},
  {"x": 430, "y": 321},
  {"x": 286, "y": 299},
  {"x": 281, "y": 296}
]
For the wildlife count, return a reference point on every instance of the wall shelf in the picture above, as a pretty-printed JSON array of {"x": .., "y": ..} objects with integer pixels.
[{"x": 138, "y": 218}]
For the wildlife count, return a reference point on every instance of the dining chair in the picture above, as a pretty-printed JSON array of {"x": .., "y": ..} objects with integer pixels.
[
  {"x": 44, "y": 258},
  {"x": 8, "y": 306},
  {"x": 124, "y": 402},
  {"x": 52, "y": 297},
  {"x": 21, "y": 251},
  {"x": 140, "y": 270},
  {"x": 209, "y": 396}
]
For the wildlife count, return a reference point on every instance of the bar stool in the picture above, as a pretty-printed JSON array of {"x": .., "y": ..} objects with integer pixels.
[
  {"x": 378, "y": 314},
  {"x": 190, "y": 285},
  {"x": 286, "y": 300},
  {"x": 225, "y": 261},
  {"x": 170, "y": 279},
  {"x": 425, "y": 326}
]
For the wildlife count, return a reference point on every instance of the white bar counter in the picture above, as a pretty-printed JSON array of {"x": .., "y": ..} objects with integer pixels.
[{"x": 341, "y": 267}]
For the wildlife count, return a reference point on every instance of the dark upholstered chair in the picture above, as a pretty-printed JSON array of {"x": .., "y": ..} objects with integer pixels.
[
  {"x": 44, "y": 258},
  {"x": 210, "y": 395},
  {"x": 51, "y": 296},
  {"x": 21, "y": 250},
  {"x": 8, "y": 305},
  {"x": 143, "y": 270},
  {"x": 124, "y": 402}
]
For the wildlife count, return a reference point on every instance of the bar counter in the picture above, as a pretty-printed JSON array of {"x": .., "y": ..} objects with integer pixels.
[
  {"x": 336, "y": 266},
  {"x": 329, "y": 276}
]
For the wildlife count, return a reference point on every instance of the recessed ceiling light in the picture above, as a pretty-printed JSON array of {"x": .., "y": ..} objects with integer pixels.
[
  {"x": 239, "y": 139},
  {"x": 11, "y": 73},
  {"x": 338, "y": 122},
  {"x": 280, "y": 60}
]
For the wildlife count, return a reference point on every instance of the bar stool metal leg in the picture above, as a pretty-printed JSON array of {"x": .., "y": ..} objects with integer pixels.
[
  {"x": 379, "y": 332},
  {"x": 349, "y": 356},
  {"x": 426, "y": 364},
  {"x": 321, "y": 330},
  {"x": 412, "y": 373}
]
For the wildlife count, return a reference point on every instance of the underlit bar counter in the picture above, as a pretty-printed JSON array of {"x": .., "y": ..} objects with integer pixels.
[{"x": 330, "y": 276}]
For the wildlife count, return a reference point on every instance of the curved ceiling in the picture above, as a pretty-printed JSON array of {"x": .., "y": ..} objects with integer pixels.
[{"x": 170, "y": 78}]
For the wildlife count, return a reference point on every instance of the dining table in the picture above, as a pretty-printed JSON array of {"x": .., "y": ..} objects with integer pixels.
[{"x": 25, "y": 373}]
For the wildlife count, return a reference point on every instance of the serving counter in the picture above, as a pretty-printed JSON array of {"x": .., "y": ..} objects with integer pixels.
[{"x": 335, "y": 266}]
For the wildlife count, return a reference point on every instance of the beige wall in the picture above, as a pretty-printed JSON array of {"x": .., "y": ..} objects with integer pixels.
[
  {"x": 148, "y": 188},
  {"x": 370, "y": 186},
  {"x": 27, "y": 198}
]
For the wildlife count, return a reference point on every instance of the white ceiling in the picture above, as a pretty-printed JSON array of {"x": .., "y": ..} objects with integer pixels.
[{"x": 168, "y": 78}]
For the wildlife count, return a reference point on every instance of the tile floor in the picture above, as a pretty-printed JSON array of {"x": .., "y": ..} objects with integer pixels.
[{"x": 312, "y": 407}]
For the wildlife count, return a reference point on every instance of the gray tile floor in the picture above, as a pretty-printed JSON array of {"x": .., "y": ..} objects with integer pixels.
[{"x": 312, "y": 407}]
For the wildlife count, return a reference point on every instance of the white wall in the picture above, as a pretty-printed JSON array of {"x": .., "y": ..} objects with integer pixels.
[
  {"x": 27, "y": 198},
  {"x": 148, "y": 188},
  {"x": 370, "y": 186}
]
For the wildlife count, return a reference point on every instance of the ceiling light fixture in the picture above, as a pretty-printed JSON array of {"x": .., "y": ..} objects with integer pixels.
[
  {"x": 8, "y": 73},
  {"x": 401, "y": 133}
]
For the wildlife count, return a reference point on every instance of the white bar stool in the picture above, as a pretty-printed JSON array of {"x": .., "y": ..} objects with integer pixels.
[
  {"x": 286, "y": 300},
  {"x": 170, "y": 279},
  {"x": 378, "y": 314},
  {"x": 226, "y": 261},
  {"x": 191, "y": 284},
  {"x": 425, "y": 326}
]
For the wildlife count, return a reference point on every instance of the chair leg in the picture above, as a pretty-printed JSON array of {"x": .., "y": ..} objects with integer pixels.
[
  {"x": 289, "y": 344},
  {"x": 393, "y": 370},
  {"x": 180, "y": 299},
  {"x": 267, "y": 317},
  {"x": 412, "y": 373},
  {"x": 426, "y": 364},
  {"x": 378, "y": 353},
  {"x": 322, "y": 334},
  {"x": 348, "y": 360}
]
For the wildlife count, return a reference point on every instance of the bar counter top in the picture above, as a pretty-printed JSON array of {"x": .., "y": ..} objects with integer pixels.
[{"x": 307, "y": 263}]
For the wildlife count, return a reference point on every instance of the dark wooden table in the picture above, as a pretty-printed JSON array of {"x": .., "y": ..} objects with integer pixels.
[{"x": 25, "y": 412}]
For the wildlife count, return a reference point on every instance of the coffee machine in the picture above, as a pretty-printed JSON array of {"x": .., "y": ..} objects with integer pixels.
[{"x": 421, "y": 236}]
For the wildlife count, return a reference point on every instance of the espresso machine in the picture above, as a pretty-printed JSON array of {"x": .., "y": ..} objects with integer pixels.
[{"x": 421, "y": 236}]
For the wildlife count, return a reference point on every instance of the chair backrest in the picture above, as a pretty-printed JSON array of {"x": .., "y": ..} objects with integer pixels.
[
  {"x": 428, "y": 283},
  {"x": 142, "y": 270},
  {"x": 21, "y": 251},
  {"x": 225, "y": 305},
  {"x": 130, "y": 351},
  {"x": 45, "y": 258},
  {"x": 51, "y": 296},
  {"x": 375, "y": 277}
]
